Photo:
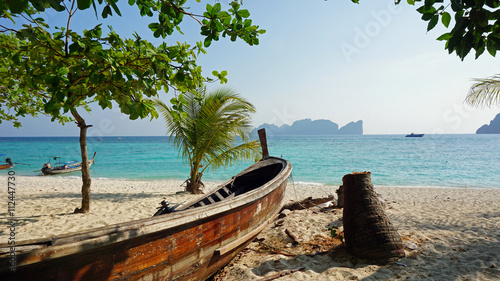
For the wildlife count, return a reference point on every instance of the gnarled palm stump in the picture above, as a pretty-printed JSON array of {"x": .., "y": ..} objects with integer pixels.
[{"x": 368, "y": 232}]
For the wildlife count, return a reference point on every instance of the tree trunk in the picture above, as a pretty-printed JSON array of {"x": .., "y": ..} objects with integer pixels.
[
  {"x": 86, "y": 181},
  {"x": 368, "y": 232},
  {"x": 194, "y": 184}
]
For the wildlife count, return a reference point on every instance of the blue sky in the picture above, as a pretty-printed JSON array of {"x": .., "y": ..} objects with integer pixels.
[{"x": 321, "y": 60}]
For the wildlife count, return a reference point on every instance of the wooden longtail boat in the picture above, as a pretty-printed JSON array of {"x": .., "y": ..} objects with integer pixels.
[
  {"x": 189, "y": 242},
  {"x": 8, "y": 163},
  {"x": 64, "y": 167}
]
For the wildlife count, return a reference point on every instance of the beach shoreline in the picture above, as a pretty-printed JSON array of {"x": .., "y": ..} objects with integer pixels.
[
  {"x": 44, "y": 205},
  {"x": 456, "y": 231}
]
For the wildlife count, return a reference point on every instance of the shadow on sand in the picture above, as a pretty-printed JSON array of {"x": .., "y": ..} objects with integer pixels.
[{"x": 457, "y": 257}]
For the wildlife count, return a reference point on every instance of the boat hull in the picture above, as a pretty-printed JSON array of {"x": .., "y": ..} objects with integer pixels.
[
  {"x": 64, "y": 171},
  {"x": 191, "y": 244},
  {"x": 5, "y": 166},
  {"x": 71, "y": 168}
]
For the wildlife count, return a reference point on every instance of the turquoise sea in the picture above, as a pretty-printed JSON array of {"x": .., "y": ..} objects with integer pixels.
[{"x": 471, "y": 161}]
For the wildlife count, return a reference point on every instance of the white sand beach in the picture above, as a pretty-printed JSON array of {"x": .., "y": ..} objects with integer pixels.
[{"x": 455, "y": 232}]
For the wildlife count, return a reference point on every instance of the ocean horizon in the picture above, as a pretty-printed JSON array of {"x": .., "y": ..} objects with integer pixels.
[{"x": 463, "y": 161}]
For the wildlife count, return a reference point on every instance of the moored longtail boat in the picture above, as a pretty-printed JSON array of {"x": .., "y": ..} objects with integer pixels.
[
  {"x": 64, "y": 167},
  {"x": 187, "y": 242},
  {"x": 8, "y": 163}
]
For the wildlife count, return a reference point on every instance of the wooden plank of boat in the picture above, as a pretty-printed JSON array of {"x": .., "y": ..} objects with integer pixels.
[{"x": 190, "y": 243}]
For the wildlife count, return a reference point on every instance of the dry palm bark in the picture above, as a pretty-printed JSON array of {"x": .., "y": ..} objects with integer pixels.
[
  {"x": 368, "y": 231},
  {"x": 340, "y": 195}
]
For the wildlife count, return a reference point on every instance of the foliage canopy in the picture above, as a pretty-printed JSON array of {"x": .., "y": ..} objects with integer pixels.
[{"x": 55, "y": 70}]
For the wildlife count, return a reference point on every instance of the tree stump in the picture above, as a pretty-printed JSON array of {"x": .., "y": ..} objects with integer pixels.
[
  {"x": 368, "y": 232},
  {"x": 340, "y": 195}
]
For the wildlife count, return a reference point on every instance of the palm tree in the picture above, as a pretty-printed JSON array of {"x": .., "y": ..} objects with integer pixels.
[
  {"x": 207, "y": 132},
  {"x": 485, "y": 92}
]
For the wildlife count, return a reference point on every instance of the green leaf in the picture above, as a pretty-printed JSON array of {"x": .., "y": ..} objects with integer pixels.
[
  {"x": 117, "y": 75},
  {"x": 219, "y": 26},
  {"x": 432, "y": 22},
  {"x": 427, "y": 16},
  {"x": 55, "y": 4},
  {"x": 73, "y": 48},
  {"x": 63, "y": 71},
  {"x": 106, "y": 11},
  {"x": 38, "y": 5},
  {"x": 244, "y": 13},
  {"x": 18, "y": 6},
  {"x": 60, "y": 96},
  {"x": 157, "y": 33},
  {"x": 490, "y": 46},
  {"x": 180, "y": 77},
  {"x": 207, "y": 42},
  {"x": 84, "y": 4},
  {"x": 175, "y": 116},
  {"x": 426, "y": 10},
  {"x": 444, "y": 37},
  {"x": 49, "y": 106},
  {"x": 113, "y": 4},
  {"x": 445, "y": 19},
  {"x": 133, "y": 116},
  {"x": 153, "y": 26},
  {"x": 480, "y": 50},
  {"x": 216, "y": 8},
  {"x": 149, "y": 105}
]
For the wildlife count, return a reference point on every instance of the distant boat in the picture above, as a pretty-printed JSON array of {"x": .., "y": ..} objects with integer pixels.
[
  {"x": 412, "y": 135},
  {"x": 63, "y": 167}
]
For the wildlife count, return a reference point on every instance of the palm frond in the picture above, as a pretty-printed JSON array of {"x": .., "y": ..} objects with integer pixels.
[
  {"x": 209, "y": 131},
  {"x": 175, "y": 130},
  {"x": 485, "y": 92},
  {"x": 244, "y": 151}
]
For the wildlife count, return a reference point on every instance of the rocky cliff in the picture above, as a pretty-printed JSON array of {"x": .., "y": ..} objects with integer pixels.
[
  {"x": 492, "y": 128},
  {"x": 310, "y": 127}
]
